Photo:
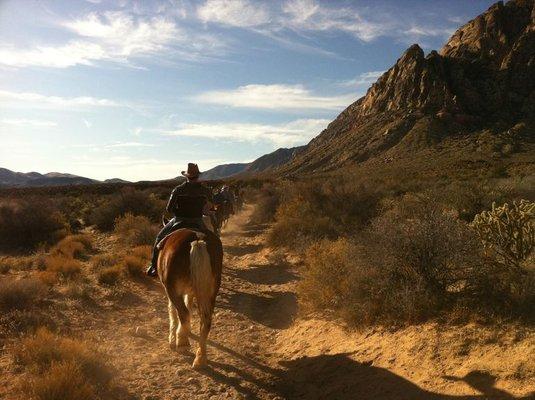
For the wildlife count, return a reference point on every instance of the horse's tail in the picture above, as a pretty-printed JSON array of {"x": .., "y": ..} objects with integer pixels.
[{"x": 202, "y": 278}]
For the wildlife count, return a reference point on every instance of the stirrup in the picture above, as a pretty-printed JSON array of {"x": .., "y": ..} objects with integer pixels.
[{"x": 152, "y": 271}]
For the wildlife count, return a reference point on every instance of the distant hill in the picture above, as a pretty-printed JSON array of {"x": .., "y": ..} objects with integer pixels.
[
  {"x": 470, "y": 105},
  {"x": 265, "y": 163},
  {"x": 10, "y": 178},
  {"x": 116, "y": 180},
  {"x": 224, "y": 171}
]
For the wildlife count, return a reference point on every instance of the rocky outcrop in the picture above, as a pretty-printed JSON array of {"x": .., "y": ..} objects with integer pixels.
[{"x": 484, "y": 75}]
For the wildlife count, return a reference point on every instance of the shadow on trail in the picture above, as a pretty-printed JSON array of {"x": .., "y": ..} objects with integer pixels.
[
  {"x": 263, "y": 274},
  {"x": 243, "y": 249},
  {"x": 275, "y": 310},
  {"x": 340, "y": 377}
]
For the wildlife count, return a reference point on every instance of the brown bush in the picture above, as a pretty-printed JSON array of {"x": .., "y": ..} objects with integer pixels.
[
  {"x": 314, "y": 210},
  {"x": 266, "y": 201},
  {"x": 62, "y": 381},
  {"x": 64, "y": 267},
  {"x": 135, "y": 230},
  {"x": 131, "y": 201},
  {"x": 20, "y": 294},
  {"x": 25, "y": 224},
  {"x": 110, "y": 275},
  {"x": 399, "y": 271},
  {"x": 104, "y": 260},
  {"x": 74, "y": 246},
  {"x": 143, "y": 252},
  {"x": 50, "y": 358},
  {"x": 134, "y": 266}
]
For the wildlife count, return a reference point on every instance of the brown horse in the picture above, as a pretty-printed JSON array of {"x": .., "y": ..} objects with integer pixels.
[{"x": 189, "y": 265}]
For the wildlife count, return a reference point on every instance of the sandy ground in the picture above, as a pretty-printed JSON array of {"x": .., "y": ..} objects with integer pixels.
[{"x": 260, "y": 349}]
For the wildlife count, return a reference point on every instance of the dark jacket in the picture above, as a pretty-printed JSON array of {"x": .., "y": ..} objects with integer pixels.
[{"x": 188, "y": 200}]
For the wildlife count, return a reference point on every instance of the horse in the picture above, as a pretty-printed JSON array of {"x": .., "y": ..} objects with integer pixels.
[{"x": 189, "y": 266}]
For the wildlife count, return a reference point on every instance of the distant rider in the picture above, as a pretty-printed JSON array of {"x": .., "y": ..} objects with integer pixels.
[{"x": 187, "y": 203}]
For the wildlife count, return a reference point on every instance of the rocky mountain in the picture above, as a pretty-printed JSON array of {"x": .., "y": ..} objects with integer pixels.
[
  {"x": 480, "y": 86},
  {"x": 10, "y": 178},
  {"x": 224, "y": 171},
  {"x": 265, "y": 163}
]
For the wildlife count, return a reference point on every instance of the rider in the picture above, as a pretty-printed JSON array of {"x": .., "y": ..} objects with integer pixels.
[{"x": 185, "y": 214}]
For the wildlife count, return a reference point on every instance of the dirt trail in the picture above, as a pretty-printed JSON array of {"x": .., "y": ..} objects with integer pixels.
[{"x": 258, "y": 351}]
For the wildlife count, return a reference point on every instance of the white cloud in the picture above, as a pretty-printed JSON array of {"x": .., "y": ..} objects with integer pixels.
[
  {"x": 239, "y": 13},
  {"x": 364, "y": 79},
  {"x": 129, "y": 144},
  {"x": 55, "y": 101},
  {"x": 288, "y": 134},
  {"x": 309, "y": 15},
  {"x": 274, "y": 97},
  {"x": 312, "y": 16},
  {"x": 87, "y": 123},
  {"x": 32, "y": 123},
  {"x": 116, "y": 37}
]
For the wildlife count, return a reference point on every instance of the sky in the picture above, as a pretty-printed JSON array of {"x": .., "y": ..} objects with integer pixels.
[{"x": 136, "y": 89}]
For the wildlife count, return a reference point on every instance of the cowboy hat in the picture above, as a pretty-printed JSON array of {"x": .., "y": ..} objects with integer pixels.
[{"x": 192, "y": 172}]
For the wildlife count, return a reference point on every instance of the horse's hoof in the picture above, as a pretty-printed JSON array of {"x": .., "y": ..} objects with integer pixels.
[{"x": 199, "y": 362}]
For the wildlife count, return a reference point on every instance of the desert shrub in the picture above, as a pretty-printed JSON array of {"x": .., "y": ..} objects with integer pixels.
[
  {"x": 469, "y": 198},
  {"x": 20, "y": 294},
  {"x": 507, "y": 277},
  {"x": 64, "y": 267},
  {"x": 508, "y": 232},
  {"x": 24, "y": 224},
  {"x": 266, "y": 202},
  {"x": 409, "y": 265},
  {"x": 135, "y": 230},
  {"x": 143, "y": 252},
  {"x": 23, "y": 321},
  {"x": 315, "y": 210},
  {"x": 62, "y": 381},
  {"x": 73, "y": 246},
  {"x": 103, "y": 260},
  {"x": 127, "y": 201},
  {"x": 20, "y": 263},
  {"x": 49, "y": 358},
  {"x": 134, "y": 266},
  {"x": 110, "y": 275},
  {"x": 297, "y": 223},
  {"x": 416, "y": 239}
]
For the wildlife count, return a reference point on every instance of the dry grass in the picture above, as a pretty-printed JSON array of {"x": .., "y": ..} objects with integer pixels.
[
  {"x": 61, "y": 368},
  {"x": 110, "y": 275},
  {"x": 99, "y": 261},
  {"x": 62, "y": 381},
  {"x": 20, "y": 294},
  {"x": 25, "y": 224},
  {"x": 62, "y": 266},
  {"x": 74, "y": 246},
  {"x": 144, "y": 252},
  {"x": 134, "y": 266},
  {"x": 131, "y": 201},
  {"x": 135, "y": 230}
]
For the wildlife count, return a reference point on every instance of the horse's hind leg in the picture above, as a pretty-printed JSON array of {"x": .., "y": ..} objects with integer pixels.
[
  {"x": 183, "y": 332},
  {"x": 173, "y": 324},
  {"x": 206, "y": 308}
]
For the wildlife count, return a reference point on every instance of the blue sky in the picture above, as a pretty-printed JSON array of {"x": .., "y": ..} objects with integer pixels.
[{"x": 136, "y": 89}]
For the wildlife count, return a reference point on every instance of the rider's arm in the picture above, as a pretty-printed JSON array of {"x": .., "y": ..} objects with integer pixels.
[{"x": 171, "y": 204}]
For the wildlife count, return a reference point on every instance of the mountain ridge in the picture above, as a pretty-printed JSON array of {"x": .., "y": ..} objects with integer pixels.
[{"x": 472, "y": 85}]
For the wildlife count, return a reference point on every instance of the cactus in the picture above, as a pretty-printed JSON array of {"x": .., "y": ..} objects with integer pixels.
[{"x": 508, "y": 232}]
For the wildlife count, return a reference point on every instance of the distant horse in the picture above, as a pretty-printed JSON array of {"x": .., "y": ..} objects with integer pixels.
[{"x": 189, "y": 265}]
